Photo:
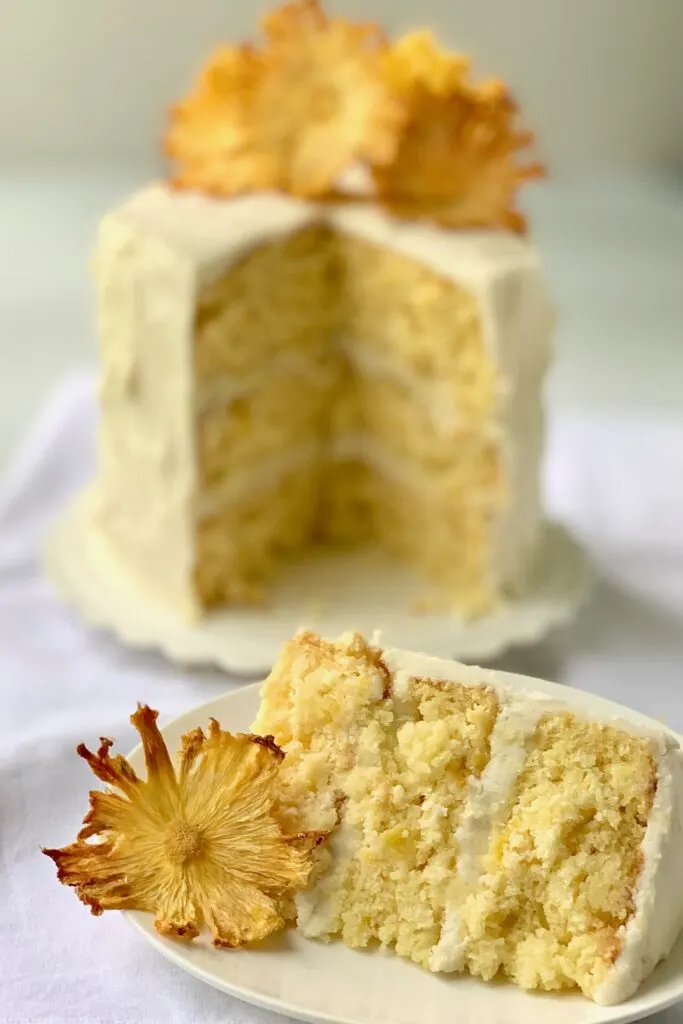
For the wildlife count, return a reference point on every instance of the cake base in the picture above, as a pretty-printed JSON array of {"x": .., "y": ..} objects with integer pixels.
[
  {"x": 309, "y": 981},
  {"x": 330, "y": 594}
]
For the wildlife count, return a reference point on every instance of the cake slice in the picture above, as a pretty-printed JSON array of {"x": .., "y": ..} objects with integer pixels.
[{"x": 478, "y": 825}]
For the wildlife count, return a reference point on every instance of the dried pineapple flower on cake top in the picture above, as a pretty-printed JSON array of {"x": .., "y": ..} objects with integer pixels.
[
  {"x": 197, "y": 846},
  {"x": 457, "y": 160},
  {"x": 291, "y": 115},
  {"x": 415, "y": 60},
  {"x": 207, "y": 133},
  {"x": 322, "y": 98}
]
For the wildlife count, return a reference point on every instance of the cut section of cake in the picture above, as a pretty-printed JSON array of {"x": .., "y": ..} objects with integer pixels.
[
  {"x": 478, "y": 824},
  {"x": 275, "y": 374},
  {"x": 285, "y": 363}
]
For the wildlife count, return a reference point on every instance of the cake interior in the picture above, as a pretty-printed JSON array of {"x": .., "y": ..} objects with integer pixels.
[
  {"x": 392, "y": 773},
  {"x": 345, "y": 394}
]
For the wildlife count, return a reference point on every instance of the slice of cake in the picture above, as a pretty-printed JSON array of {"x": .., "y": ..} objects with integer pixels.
[
  {"x": 478, "y": 824},
  {"x": 286, "y": 361}
]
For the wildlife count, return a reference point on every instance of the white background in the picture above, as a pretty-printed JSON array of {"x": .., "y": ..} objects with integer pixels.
[{"x": 601, "y": 80}]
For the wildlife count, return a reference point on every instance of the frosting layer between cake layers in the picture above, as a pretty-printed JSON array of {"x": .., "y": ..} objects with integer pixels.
[{"x": 157, "y": 254}]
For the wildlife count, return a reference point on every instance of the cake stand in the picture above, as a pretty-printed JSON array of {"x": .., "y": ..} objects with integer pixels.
[{"x": 330, "y": 594}]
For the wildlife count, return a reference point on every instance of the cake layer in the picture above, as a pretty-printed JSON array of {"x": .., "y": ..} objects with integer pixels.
[
  {"x": 241, "y": 545},
  {"x": 446, "y": 541},
  {"x": 480, "y": 825},
  {"x": 428, "y": 325},
  {"x": 273, "y": 293},
  {"x": 281, "y": 414}
]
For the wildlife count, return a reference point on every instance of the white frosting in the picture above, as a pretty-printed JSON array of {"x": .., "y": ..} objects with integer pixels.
[
  {"x": 155, "y": 255},
  {"x": 657, "y": 920}
]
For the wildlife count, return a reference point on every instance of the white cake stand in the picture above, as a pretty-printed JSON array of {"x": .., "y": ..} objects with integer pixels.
[{"x": 329, "y": 594}]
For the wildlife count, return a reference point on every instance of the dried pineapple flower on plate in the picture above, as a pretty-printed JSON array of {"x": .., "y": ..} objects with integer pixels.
[
  {"x": 291, "y": 115},
  {"x": 457, "y": 161},
  {"x": 197, "y": 846}
]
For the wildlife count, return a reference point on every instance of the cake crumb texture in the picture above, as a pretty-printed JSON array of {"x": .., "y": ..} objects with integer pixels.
[{"x": 374, "y": 369}]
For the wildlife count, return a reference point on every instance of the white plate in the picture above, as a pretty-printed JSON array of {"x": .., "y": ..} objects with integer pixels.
[
  {"x": 331, "y": 594},
  {"x": 318, "y": 982}
]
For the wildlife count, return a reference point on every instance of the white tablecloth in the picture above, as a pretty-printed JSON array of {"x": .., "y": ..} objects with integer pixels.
[{"x": 619, "y": 483}]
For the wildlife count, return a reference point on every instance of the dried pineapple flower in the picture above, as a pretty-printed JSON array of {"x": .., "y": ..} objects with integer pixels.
[
  {"x": 208, "y": 133},
  {"x": 291, "y": 116},
  {"x": 197, "y": 846},
  {"x": 416, "y": 60},
  {"x": 457, "y": 160}
]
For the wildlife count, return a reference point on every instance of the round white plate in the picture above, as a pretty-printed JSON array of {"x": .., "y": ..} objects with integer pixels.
[
  {"x": 329, "y": 594},
  {"x": 329, "y": 982}
]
